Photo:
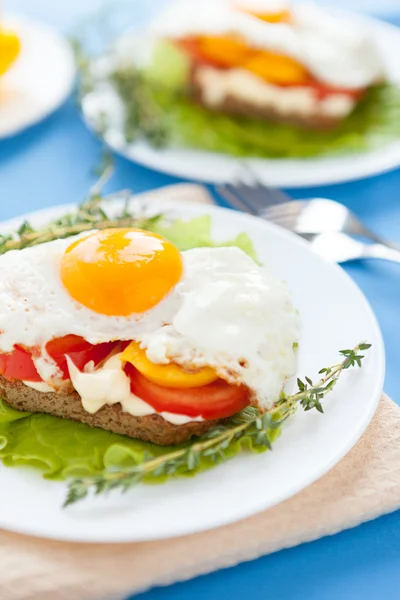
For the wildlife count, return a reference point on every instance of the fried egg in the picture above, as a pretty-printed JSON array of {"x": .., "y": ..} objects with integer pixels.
[{"x": 208, "y": 308}]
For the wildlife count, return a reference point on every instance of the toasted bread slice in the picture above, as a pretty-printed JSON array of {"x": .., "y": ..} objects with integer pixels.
[
  {"x": 152, "y": 428},
  {"x": 312, "y": 116},
  {"x": 234, "y": 106}
]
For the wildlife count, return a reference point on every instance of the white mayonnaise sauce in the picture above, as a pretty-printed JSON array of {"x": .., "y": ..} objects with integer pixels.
[
  {"x": 336, "y": 51},
  {"x": 110, "y": 385},
  {"x": 216, "y": 85},
  {"x": 39, "y": 386}
]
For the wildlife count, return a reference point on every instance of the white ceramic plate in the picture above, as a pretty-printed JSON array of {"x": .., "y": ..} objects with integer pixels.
[
  {"x": 212, "y": 167},
  {"x": 39, "y": 81},
  {"x": 335, "y": 315}
]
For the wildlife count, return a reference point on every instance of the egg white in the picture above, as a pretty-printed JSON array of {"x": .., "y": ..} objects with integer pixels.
[
  {"x": 234, "y": 316},
  {"x": 226, "y": 312}
]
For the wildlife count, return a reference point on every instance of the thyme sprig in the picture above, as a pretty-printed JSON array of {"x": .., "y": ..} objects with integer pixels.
[
  {"x": 144, "y": 117},
  {"x": 257, "y": 428},
  {"x": 90, "y": 214}
]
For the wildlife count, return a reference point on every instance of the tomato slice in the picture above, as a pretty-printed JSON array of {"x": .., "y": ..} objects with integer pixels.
[
  {"x": 78, "y": 350},
  {"x": 63, "y": 345},
  {"x": 18, "y": 364},
  {"x": 323, "y": 90},
  {"x": 214, "y": 401}
]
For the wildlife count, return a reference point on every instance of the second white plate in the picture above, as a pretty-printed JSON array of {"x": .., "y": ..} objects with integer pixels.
[{"x": 217, "y": 168}]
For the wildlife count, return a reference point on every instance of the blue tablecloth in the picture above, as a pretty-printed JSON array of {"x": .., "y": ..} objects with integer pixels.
[{"x": 52, "y": 164}]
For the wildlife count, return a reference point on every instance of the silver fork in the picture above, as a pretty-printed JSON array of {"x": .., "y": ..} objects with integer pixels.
[{"x": 327, "y": 224}]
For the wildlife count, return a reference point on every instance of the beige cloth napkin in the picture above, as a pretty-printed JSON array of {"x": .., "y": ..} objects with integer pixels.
[
  {"x": 181, "y": 193},
  {"x": 364, "y": 485}
]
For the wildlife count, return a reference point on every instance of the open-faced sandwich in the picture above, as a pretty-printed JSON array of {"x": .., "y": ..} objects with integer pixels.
[
  {"x": 272, "y": 60},
  {"x": 119, "y": 330}
]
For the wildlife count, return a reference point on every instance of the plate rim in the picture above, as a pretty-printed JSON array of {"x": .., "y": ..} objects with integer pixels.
[{"x": 375, "y": 393}]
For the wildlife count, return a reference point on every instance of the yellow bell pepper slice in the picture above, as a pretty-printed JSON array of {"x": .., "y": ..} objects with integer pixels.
[
  {"x": 231, "y": 52},
  {"x": 9, "y": 49},
  {"x": 168, "y": 375},
  {"x": 277, "y": 68}
]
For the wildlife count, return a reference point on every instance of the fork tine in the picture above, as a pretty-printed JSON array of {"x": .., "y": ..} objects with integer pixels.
[
  {"x": 255, "y": 182},
  {"x": 250, "y": 192},
  {"x": 246, "y": 192},
  {"x": 255, "y": 198},
  {"x": 286, "y": 215},
  {"x": 246, "y": 174},
  {"x": 292, "y": 209},
  {"x": 285, "y": 222},
  {"x": 230, "y": 195}
]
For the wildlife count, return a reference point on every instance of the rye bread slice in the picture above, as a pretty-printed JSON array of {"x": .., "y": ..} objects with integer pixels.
[{"x": 152, "y": 428}]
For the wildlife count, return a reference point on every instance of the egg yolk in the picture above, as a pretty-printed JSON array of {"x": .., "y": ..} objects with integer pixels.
[
  {"x": 169, "y": 375},
  {"x": 9, "y": 49},
  {"x": 119, "y": 272},
  {"x": 271, "y": 14},
  {"x": 282, "y": 16}
]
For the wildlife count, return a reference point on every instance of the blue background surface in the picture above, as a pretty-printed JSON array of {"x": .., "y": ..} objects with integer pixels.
[{"x": 52, "y": 163}]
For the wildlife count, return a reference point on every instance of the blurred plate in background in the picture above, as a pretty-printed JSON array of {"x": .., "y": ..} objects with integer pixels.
[
  {"x": 40, "y": 80},
  {"x": 99, "y": 107}
]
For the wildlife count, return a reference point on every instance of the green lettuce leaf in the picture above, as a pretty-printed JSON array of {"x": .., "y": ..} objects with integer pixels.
[
  {"x": 8, "y": 414},
  {"x": 196, "y": 233},
  {"x": 61, "y": 448},
  {"x": 374, "y": 122},
  {"x": 178, "y": 71}
]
